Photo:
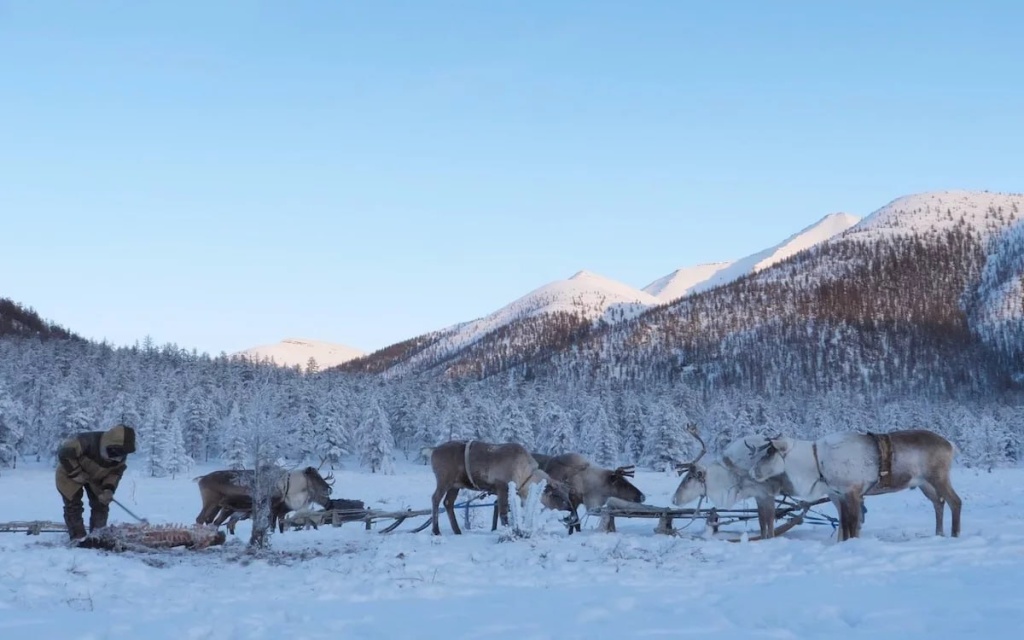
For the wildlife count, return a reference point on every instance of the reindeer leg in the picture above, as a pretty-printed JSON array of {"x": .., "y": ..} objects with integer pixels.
[
  {"x": 502, "y": 493},
  {"x": 854, "y": 502},
  {"x": 435, "y": 502},
  {"x": 494, "y": 517},
  {"x": 222, "y": 515},
  {"x": 766, "y": 517},
  {"x": 837, "y": 502},
  {"x": 954, "y": 506},
  {"x": 207, "y": 513},
  {"x": 933, "y": 495},
  {"x": 449, "y": 506},
  {"x": 945, "y": 490}
]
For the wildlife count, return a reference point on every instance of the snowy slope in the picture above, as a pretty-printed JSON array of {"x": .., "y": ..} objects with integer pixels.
[
  {"x": 896, "y": 582},
  {"x": 682, "y": 281},
  {"x": 585, "y": 294},
  {"x": 292, "y": 351},
  {"x": 936, "y": 211},
  {"x": 703, "y": 277}
]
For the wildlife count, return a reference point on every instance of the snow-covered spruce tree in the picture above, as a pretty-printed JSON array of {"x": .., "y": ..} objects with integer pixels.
[
  {"x": 514, "y": 427},
  {"x": 263, "y": 445},
  {"x": 178, "y": 459},
  {"x": 331, "y": 433},
  {"x": 12, "y": 427},
  {"x": 375, "y": 440},
  {"x": 235, "y": 445},
  {"x": 68, "y": 417},
  {"x": 670, "y": 443},
  {"x": 558, "y": 434},
  {"x": 155, "y": 438},
  {"x": 606, "y": 446},
  {"x": 198, "y": 423}
]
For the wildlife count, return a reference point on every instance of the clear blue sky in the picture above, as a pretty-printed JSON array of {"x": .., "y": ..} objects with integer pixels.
[{"x": 227, "y": 176}]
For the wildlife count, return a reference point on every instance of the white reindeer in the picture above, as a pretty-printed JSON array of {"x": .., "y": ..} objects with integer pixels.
[
  {"x": 847, "y": 466},
  {"x": 727, "y": 481}
]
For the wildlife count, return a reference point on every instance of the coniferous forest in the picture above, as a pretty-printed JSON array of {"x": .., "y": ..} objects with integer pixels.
[{"x": 918, "y": 329}]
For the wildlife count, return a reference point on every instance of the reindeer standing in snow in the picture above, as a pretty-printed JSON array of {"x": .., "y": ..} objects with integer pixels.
[
  {"x": 727, "y": 480},
  {"x": 847, "y": 466}
]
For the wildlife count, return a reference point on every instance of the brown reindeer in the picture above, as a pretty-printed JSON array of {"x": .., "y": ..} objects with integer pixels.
[
  {"x": 588, "y": 484},
  {"x": 483, "y": 466},
  {"x": 227, "y": 494},
  {"x": 847, "y": 466}
]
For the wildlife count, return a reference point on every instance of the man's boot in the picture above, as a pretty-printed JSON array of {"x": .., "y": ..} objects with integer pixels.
[
  {"x": 73, "y": 510},
  {"x": 98, "y": 513}
]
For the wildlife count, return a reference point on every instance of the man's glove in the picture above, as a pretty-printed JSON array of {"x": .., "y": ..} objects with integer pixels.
[{"x": 106, "y": 496}]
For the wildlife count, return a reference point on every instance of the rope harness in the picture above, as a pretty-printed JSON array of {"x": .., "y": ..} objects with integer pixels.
[
  {"x": 884, "y": 443},
  {"x": 817, "y": 465},
  {"x": 472, "y": 483}
]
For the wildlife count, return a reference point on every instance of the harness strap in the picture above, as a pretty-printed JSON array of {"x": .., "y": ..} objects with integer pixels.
[
  {"x": 817, "y": 464},
  {"x": 884, "y": 443},
  {"x": 472, "y": 483}
]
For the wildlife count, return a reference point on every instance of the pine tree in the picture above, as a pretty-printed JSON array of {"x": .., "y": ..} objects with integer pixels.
[
  {"x": 669, "y": 446},
  {"x": 155, "y": 439},
  {"x": 376, "y": 441},
  {"x": 607, "y": 447},
  {"x": 235, "y": 447},
  {"x": 558, "y": 430},
  {"x": 12, "y": 427},
  {"x": 198, "y": 423},
  {"x": 514, "y": 426},
  {"x": 333, "y": 439},
  {"x": 178, "y": 459}
]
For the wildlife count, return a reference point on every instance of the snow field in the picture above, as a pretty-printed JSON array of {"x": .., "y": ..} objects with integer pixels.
[{"x": 898, "y": 581}]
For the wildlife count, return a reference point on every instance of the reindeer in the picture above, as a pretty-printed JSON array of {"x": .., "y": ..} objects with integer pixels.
[
  {"x": 588, "y": 484},
  {"x": 847, "y": 466},
  {"x": 727, "y": 481},
  {"x": 228, "y": 494},
  {"x": 483, "y": 466}
]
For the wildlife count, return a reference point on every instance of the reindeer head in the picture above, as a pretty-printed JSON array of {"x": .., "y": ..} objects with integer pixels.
[
  {"x": 770, "y": 458},
  {"x": 620, "y": 486},
  {"x": 319, "y": 487},
  {"x": 555, "y": 495},
  {"x": 694, "y": 484}
]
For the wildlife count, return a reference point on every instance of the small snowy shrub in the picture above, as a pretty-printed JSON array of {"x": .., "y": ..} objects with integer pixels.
[{"x": 522, "y": 518}]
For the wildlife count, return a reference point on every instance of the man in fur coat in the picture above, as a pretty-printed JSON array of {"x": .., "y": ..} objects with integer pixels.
[{"x": 92, "y": 462}]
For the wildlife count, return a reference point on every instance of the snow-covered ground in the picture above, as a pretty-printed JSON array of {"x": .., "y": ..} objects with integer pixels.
[{"x": 898, "y": 581}]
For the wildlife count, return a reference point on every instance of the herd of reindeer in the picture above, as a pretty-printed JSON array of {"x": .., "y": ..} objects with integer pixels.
[{"x": 843, "y": 467}]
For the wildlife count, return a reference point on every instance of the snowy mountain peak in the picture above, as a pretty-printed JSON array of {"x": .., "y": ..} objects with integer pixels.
[
  {"x": 297, "y": 351},
  {"x": 690, "y": 280},
  {"x": 585, "y": 294},
  {"x": 937, "y": 211},
  {"x": 824, "y": 229},
  {"x": 682, "y": 281}
]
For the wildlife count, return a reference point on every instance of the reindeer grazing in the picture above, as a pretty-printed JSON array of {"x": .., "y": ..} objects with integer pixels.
[
  {"x": 727, "y": 481},
  {"x": 482, "y": 466},
  {"x": 588, "y": 484},
  {"x": 228, "y": 494},
  {"x": 847, "y": 466}
]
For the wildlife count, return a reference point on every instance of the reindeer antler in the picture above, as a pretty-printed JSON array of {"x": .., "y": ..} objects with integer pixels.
[
  {"x": 625, "y": 472},
  {"x": 329, "y": 478},
  {"x": 688, "y": 466}
]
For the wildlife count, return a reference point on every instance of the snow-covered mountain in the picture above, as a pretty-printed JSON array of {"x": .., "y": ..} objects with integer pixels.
[
  {"x": 933, "y": 212},
  {"x": 690, "y": 280},
  {"x": 292, "y": 351},
  {"x": 586, "y": 297}
]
